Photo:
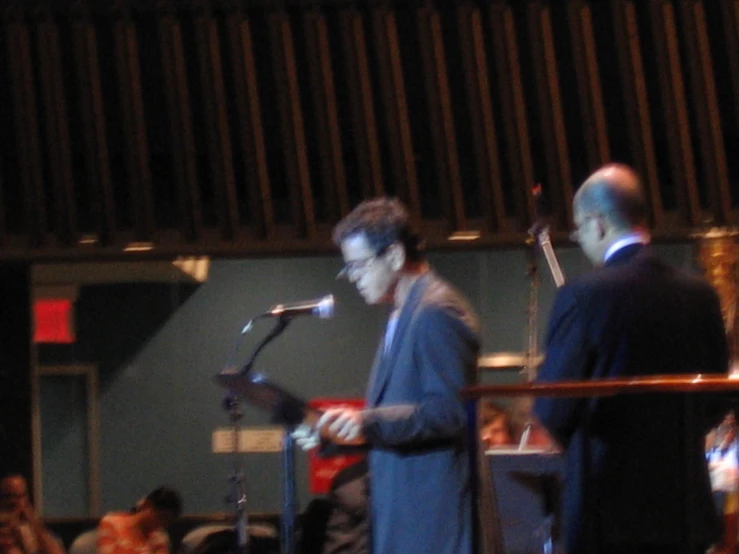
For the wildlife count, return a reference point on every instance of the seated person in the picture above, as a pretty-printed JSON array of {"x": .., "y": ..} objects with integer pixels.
[
  {"x": 527, "y": 429},
  {"x": 723, "y": 467},
  {"x": 495, "y": 425},
  {"x": 723, "y": 463},
  {"x": 348, "y": 527},
  {"x": 31, "y": 534},
  {"x": 141, "y": 531},
  {"x": 339, "y": 523},
  {"x": 9, "y": 543}
]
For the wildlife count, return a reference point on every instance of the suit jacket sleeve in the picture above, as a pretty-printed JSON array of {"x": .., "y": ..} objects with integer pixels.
[
  {"x": 444, "y": 350},
  {"x": 568, "y": 357}
]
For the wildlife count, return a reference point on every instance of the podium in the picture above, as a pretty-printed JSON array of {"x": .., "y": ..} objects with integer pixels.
[{"x": 527, "y": 486}]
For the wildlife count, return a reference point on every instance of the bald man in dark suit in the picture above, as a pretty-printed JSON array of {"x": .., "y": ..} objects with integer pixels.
[{"x": 636, "y": 480}]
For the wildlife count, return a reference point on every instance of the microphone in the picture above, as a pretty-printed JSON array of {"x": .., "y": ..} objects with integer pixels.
[{"x": 319, "y": 307}]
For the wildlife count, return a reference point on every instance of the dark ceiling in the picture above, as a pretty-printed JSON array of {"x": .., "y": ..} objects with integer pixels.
[{"x": 237, "y": 128}]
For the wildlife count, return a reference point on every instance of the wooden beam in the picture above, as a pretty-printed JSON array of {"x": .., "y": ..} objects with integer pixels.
[
  {"x": 361, "y": 103},
  {"x": 674, "y": 104},
  {"x": 92, "y": 109},
  {"x": 518, "y": 142},
  {"x": 329, "y": 145},
  {"x": 57, "y": 131},
  {"x": 589, "y": 84},
  {"x": 441, "y": 118},
  {"x": 480, "y": 106},
  {"x": 26, "y": 128},
  {"x": 251, "y": 130},
  {"x": 293, "y": 132},
  {"x": 631, "y": 68},
  {"x": 136, "y": 147},
  {"x": 218, "y": 140},
  {"x": 397, "y": 119},
  {"x": 715, "y": 171},
  {"x": 551, "y": 115}
]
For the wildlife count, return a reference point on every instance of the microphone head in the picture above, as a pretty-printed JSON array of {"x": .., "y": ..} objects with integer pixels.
[{"x": 325, "y": 307}]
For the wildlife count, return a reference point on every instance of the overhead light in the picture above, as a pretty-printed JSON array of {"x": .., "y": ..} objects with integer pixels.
[
  {"x": 139, "y": 247},
  {"x": 88, "y": 239},
  {"x": 197, "y": 268},
  {"x": 464, "y": 235}
]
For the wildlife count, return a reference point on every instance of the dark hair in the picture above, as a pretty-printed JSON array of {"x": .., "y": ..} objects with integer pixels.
[
  {"x": 166, "y": 499},
  {"x": 383, "y": 221}
]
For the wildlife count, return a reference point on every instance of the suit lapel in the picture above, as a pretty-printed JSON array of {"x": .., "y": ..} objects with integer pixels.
[
  {"x": 375, "y": 372},
  {"x": 384, "y": 362}
]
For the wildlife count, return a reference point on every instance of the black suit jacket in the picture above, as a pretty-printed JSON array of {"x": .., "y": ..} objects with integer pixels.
[{"x": 641, "y": 478}]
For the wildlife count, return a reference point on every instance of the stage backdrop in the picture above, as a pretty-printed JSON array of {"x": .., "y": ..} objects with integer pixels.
[{"x": 157, "y": 345}]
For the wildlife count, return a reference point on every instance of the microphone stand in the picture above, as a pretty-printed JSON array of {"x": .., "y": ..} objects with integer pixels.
[
  {"x": 538, "y": 233},
  {"x": 238, "y": 493},
  {"x": 238, "y": 490},
  {"x": 282, "y": 323}
]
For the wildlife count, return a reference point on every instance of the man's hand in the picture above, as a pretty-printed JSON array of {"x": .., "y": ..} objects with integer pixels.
[
  {"x": 342, "y": 426},
  {"x": 306, "y": 436}
]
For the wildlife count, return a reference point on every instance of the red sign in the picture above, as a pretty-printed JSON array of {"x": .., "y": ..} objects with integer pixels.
[
  {"x": 53, "y": 321},
  {"x": 323, "y": 469}
]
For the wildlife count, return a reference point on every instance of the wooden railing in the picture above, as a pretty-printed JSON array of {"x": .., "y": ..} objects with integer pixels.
[
  {"x": 237, "y": 127},
  {"x": 610, "y": 387}
]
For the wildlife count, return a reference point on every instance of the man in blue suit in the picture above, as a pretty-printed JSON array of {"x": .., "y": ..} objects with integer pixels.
[
  {"x": 414, "y": 424},
  {"x": 635, "y": 477}
]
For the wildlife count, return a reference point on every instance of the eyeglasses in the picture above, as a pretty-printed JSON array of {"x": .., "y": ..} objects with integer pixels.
[
  {"x": 360, "y": 266},
  {"x": 575, "y": 234}
]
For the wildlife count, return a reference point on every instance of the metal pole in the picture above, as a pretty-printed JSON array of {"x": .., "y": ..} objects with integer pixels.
[{"x": 289, "y": 502}]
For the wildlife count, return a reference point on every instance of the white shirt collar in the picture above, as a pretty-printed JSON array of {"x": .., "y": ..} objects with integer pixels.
[{"x": 628, "y": 240}]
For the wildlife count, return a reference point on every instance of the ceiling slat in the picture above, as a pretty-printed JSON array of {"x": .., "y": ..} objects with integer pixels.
[
  {"x": 515, "y": 119},
  {"x": 551, "y": 116},
  {"x": 361, "y": 103},
  {"x": 293, "y": 132},
  {"x": 395, "y": 108},
  {"x": 480, "y": 105},
  {"x": 638, "y": 120},
  {"x": 218, "y": 143},
  {"x": 251, "y": 130},
  {"x": 92, "y": 108},
  {"x": 676, "y": 118},
  {"x": 184, "y": 154},
  {"x": 57, "y": 132},
  {"x": 715, "y": 172},
  {"x": 327, "y": 118},
  {"x": 26, "y": 127}
]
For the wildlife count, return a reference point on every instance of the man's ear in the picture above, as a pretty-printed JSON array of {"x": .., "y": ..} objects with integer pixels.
[
  {"x": 602, "y": 227},
  {"x": 396, "y": 256}
]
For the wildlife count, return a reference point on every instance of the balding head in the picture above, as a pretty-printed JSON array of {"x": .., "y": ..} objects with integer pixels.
[
  {"x": 614, "y": 192},
  {"x": 609, "y": 206}
]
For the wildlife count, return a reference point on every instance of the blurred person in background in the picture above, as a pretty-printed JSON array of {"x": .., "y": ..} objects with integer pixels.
[
  {"x": 723, "y": 468},
  {"x": 143, "y": 530},
  {"x": 31, "y": 534},
  {"x": 495, "y": 425}
]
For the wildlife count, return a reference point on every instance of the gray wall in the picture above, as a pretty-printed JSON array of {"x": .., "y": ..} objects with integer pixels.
[{"x": 158, "y": 353}]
